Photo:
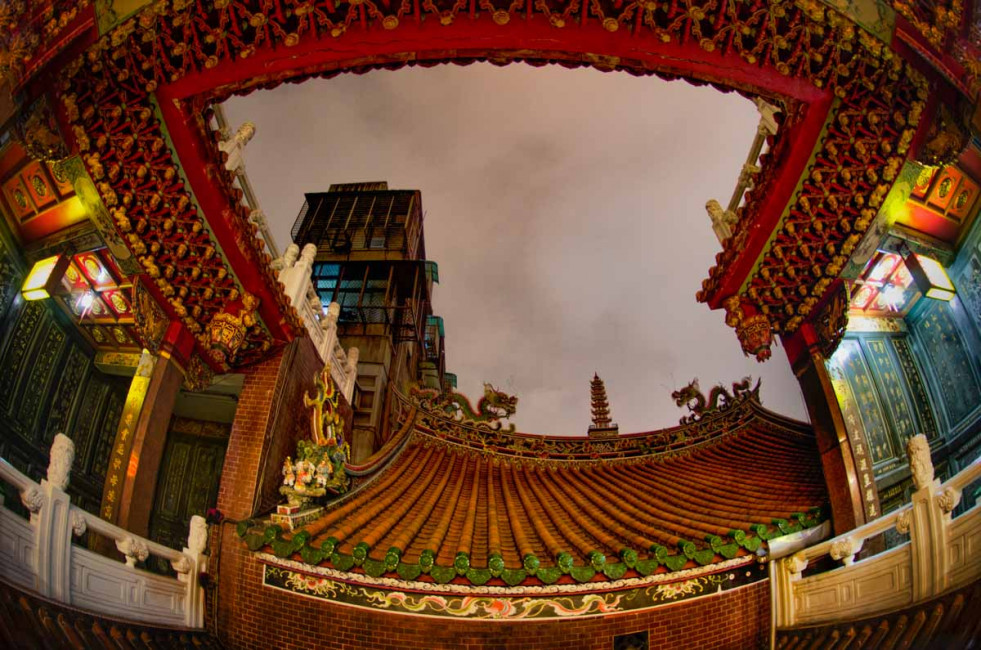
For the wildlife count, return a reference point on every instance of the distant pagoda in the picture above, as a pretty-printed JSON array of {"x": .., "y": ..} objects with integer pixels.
[{"x": 602, "y": 426}]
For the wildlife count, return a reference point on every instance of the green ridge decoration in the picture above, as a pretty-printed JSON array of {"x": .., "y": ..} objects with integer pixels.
[
  {"x": 409, "y": 571},
  {"x": 598, "y": 566},
  {"x": 478, "y": 576},
  {"x": 549, "y": 575}
]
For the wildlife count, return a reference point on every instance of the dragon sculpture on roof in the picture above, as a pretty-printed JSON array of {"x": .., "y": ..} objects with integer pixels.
[
  {"x": 494, "y": 406},
  {"x": 719, "y": 399}
]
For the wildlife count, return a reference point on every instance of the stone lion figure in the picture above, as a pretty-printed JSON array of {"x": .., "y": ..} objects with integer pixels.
[
  {"x": 723, "y": 221},
  {"x": 60, "y": 463},
  {"x": 920, "y": 465},
  {"x": 197, "y": 540}
]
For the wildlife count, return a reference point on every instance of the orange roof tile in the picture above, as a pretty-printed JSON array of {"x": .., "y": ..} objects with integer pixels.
[{"x": 458, "y": 503}]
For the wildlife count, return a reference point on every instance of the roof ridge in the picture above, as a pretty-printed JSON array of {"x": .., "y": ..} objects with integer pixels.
[{"x": 680, "y": 439}]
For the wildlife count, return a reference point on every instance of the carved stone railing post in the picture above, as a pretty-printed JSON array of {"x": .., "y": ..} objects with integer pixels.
[
  {"x": 928, "y": 527},
  {"x": 291, "y": 275},
  {"x": 235, "y": 145},
  {"x": 845, "y": 549},
  {"x": 295, "y": 271},
  {"x": 783, "y": 574},
  {"x": 134, "y": 548},
  {"x": 52, "y": 523},
  {"x": 197, "y": 542},
  {"x": 350, "y": 373},
  {"x": 723, "y": 221},
  {"x": 329, "y": 326},
  {"x": 258, "y": 217}
]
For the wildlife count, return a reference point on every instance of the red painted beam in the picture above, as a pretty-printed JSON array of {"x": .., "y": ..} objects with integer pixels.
[
  {"x": 481, "y": 37},
  {"x": 199, "y": 168},
  {"x": 803, "y": 139},
  {"x": 68, "y": 44},
  {"x": 466, "y": 40}
]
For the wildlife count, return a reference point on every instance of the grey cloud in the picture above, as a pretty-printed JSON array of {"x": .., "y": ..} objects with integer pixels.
[{"x": 565, "y": 210}]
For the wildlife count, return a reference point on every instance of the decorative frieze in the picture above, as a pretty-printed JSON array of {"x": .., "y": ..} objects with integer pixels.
[{"x": 515, "y": 604}]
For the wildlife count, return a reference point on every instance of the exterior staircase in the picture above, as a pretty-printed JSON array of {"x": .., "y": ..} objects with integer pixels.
[
  {"x": 923, "y": 593},
  {"x": 949, "y": 622},
  {"x": 29, "y": 621}
]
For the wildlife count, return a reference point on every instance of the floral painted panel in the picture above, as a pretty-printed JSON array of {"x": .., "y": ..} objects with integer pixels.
[
  {"x": 944, "y": 349},
  {"x": 500, "y": 603}
]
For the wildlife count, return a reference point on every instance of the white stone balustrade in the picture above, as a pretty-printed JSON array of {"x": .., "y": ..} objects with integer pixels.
[
  {"x": 942, "y": 554},
  {"x": 234, "y": 146},
  {"x": 295, "y": 269},
  {"x": 39, "y": 555},
  {"x": 724, "y": 221}
]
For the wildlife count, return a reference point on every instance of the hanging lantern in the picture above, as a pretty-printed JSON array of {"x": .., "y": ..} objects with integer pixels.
[
  {"x": 44, "y": 278},
  {"x": 930, "y": 277},
  {"x": 226, "y": 333}
]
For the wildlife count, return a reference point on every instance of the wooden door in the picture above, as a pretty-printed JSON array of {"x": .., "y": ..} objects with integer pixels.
[{"x": 188, "y": 481}]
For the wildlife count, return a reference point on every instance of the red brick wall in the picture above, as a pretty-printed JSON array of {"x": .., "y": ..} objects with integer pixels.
[
  {"x": 237, "y": 493},
  {"x": 289, "y": 419},
  {"x": 253, "y": 616},
  {"x": 269, "y": 420}
]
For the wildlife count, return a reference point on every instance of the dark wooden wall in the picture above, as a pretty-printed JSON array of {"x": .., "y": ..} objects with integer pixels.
[
  {"x": 48, "y": 384},
  {"x": 922, "y": 377}
]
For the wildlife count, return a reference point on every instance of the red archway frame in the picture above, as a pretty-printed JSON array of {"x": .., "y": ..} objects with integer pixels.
[{"x": 851, "y": 109}]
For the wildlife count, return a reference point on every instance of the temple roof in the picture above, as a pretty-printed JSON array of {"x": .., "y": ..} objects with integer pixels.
[{"x": 464, "y": 503}]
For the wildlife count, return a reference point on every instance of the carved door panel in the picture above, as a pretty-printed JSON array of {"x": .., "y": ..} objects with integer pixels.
[{"x": 187, "y": 485}]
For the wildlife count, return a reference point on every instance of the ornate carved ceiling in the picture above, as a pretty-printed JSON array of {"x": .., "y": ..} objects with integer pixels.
[{"x": 135, "y": 106}]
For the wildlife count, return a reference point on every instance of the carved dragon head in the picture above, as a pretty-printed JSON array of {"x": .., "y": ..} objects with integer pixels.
[
  {"x": 688, "y": 395},
  {"x": 502, "y": 404}
]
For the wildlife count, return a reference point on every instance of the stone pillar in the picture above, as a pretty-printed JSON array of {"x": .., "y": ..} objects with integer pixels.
[
  {"x": 53, "y": 526},
  {"x": 837, "y": 455},
  {"x": 123, "y": 442},
  {"x": 928, "y": 523},
  {"x": 350, "y": 373},
  {"x": 141, "y": 438},
  {"x": 329, "y": 326}
]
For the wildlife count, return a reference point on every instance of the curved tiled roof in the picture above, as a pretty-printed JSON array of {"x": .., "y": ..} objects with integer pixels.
[{"x": 461, "y": 503}]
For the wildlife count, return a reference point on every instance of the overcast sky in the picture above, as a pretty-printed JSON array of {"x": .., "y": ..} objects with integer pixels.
[{"x": 565, "y": 209}]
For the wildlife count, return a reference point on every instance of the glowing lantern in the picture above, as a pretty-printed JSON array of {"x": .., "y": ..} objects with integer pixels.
[
  {"x": 227, "y": 333},
  {"x": 930, "y": 277},
  {"x": 884, "y": 268},
  {"x": 44, "y": 277}
]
